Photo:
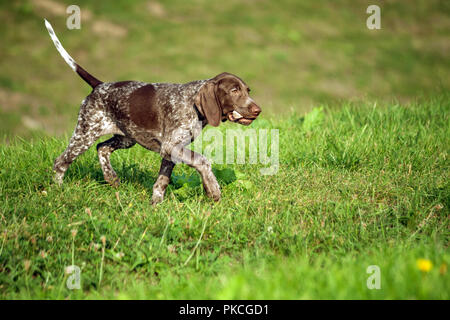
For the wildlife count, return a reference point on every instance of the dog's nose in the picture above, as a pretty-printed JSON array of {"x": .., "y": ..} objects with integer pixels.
[{"x": 254, "y": 109}]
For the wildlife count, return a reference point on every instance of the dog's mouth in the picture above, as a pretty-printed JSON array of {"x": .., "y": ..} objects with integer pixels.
[{"x": 239, "y": 118}]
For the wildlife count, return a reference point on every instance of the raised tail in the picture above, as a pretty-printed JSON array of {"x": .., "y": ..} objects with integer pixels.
[{"x": 86, "y": 76}]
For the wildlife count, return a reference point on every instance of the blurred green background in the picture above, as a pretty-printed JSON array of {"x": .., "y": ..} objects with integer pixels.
[{"x": 293, "y": 54}]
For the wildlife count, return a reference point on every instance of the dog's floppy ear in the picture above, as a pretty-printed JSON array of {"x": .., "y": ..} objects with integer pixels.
[{"x": 209, "y": 104}]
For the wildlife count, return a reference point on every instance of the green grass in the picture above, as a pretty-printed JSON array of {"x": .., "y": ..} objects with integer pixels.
[
  {"x": 293, "y": 54},
  {"x": 359, "y": 184}
]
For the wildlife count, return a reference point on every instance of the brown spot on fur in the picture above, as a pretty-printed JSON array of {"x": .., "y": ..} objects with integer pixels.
[
  {"x": 142, "y": 111},
  {"x": 120, "y": 84}
]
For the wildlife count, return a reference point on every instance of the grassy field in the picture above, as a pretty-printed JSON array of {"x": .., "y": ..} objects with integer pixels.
[
  {"x": 359, "y": 184},
  {"x": 364, "y": 139},
  {"x": 293, "y": 54}
]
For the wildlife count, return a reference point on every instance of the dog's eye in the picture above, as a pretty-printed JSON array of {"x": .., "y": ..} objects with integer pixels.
[{"x": 234, "y": 90}]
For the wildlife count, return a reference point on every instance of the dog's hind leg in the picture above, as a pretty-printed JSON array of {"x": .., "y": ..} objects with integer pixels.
[
  {"x": 104, "y": 151},
  {"x": 92, "y": 124}
]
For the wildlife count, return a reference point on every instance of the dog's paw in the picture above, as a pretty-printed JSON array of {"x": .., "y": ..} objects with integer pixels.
[
  {"x": 157, "y": 197},
  {"x": 58, "y": 178},
  {"x": 212, "y": 190},
  {"x": 113, "y": 181}
]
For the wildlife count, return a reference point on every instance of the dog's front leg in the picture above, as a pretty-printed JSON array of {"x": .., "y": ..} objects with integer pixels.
[
  {"x": 159, "y": 188},
  {"x": 198, "y": 162}
]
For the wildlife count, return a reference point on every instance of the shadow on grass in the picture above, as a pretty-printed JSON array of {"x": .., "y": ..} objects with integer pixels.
[
  {"x": 126, "y": 173},
  {"x": 183, "y": 186}
]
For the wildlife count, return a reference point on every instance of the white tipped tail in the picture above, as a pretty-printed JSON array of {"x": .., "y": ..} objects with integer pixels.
[{"x": 69, "y": 60}]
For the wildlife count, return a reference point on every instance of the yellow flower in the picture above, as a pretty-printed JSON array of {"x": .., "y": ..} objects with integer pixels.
[{"x": 424, "y": 265}]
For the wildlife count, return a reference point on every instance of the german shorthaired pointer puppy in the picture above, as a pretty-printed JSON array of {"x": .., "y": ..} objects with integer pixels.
[{"x": 159, "y": 116}]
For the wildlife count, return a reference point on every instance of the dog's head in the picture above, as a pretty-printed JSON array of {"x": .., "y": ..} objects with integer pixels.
[{"x": 226, "y": 97}]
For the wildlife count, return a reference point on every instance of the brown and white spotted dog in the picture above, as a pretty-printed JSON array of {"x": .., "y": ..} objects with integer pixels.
[{"x": 159, "y": 116}]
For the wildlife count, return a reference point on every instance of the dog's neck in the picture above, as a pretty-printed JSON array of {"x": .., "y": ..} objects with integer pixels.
[{"x": 200, "y": 115}]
